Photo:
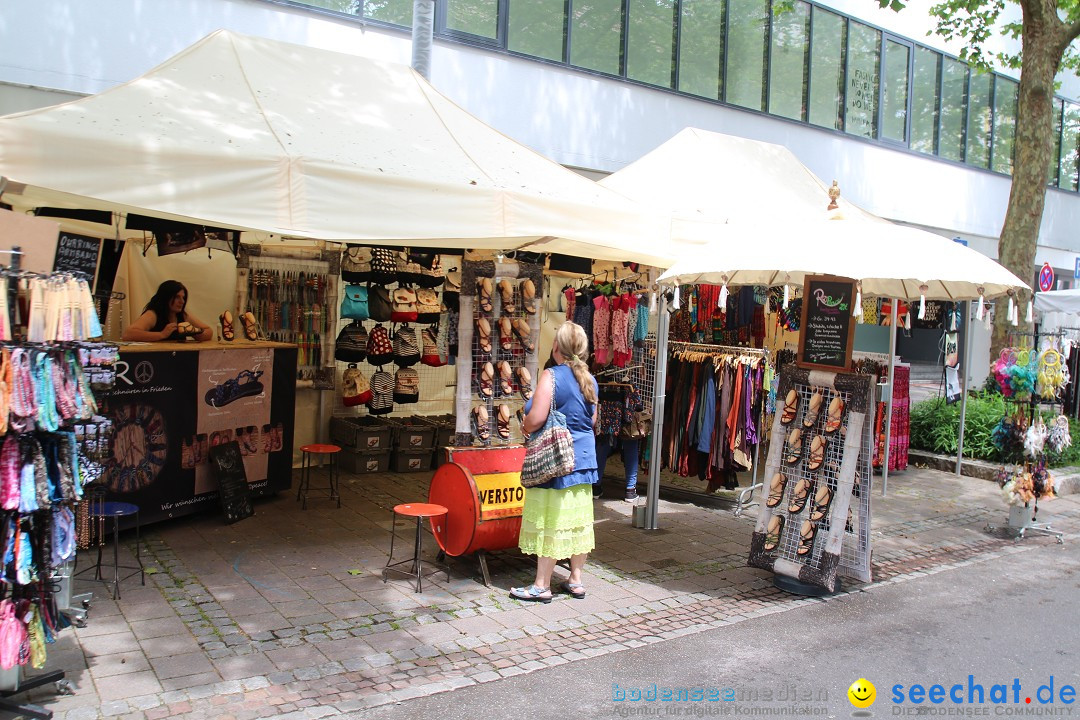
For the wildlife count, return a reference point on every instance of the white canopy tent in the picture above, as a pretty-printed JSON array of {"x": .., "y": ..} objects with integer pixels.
[
  {"x": 750, "y": 213},
  {"x": 1058, "y": 309},
  {"x": 284, "y": 140}
]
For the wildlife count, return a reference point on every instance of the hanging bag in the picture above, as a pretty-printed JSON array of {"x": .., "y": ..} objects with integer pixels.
[
  {"x": 431, "y": 272},
  {"x": 384, "y": 265},
  {"x": 356, "y": 264},
  {"x": 351, "y": 343},
  {"x": 406, "y": 347},
  {"x": 380, "y": 350},
  {"x": 379, "y": 305},
  {"x": 549, "y": 453},
  {"x": 382, "y": 393},
  {"x": 355, "y": 389},
  {"x": 404, "y": 309},
  {"x": 428, "y": 309},
  {"x": 355, "y": 303},
  {"x": 406, "y": 386}
]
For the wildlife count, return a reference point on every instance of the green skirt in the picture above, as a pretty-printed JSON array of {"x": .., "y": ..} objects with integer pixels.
[{"x": 557, "y": 523}]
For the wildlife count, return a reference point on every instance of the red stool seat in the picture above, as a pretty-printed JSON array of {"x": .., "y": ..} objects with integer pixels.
[
  {"x": 320, "y": 450},
  {"x": 418, "y": 511}
]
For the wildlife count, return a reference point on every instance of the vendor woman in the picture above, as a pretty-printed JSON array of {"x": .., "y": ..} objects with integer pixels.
[{"x": 164, "y": 318}]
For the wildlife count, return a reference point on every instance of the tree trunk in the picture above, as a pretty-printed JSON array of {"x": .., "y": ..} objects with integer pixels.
[{"x": 1033, "y": 147}]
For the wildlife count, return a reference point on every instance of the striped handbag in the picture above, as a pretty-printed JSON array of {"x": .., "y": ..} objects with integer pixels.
[{"x": 549, "y": 453}]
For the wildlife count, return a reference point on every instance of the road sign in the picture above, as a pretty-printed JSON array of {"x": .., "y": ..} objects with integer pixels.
[
  {"x": 1046, "y": 277},
  {"x": 1076, "y": 270}
]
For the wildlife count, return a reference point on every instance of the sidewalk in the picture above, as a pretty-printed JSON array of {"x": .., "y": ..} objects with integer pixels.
[{"x": 285, "y": 615}]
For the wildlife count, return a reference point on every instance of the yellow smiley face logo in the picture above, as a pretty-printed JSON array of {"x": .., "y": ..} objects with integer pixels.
[{"x": 862, "y": 693}]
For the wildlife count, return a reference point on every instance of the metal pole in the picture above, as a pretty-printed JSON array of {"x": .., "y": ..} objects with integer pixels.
[
  {"x": 965, "y": 364},
  {"x": 888, "y": 400},
  {"x": 423, "y": 30},
  {"x": 652, "y": 494}
]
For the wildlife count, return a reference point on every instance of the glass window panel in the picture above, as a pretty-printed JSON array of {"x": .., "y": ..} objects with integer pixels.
[
  {"x": 650, "y": 45},
  {"x": 745, "y": 73},
  {"x": 978, "y": 123},
  {"x": 391, "y": 11},
  {"x": 1070, "y": 145},
  {"x": 827, "y": 69},
  {"x": 864, "y": 53},
  {"x": 596, "y": 35},
  {"x": 701, "y": 45},
  {"x": 1004, "y": 124},
  {"x": 537, "y": 28},
  {"x": 1055, "y": 151},
  {"x": 477, "y": 17},
  {"x": 925, "y": 82},
  {"x": 894, "y": 95},
  {"x": 343, "y": 6},
  {"x": 953, "y": 91},
  {"x": 787, "y": 63}
]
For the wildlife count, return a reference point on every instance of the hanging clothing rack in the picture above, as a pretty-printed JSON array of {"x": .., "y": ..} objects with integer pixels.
[{"x": 679, "y": 346}]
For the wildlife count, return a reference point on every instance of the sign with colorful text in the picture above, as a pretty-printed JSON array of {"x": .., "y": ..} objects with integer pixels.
[
  {"x": 501, "y": 495},
  {"x": 828, "y": 328}
]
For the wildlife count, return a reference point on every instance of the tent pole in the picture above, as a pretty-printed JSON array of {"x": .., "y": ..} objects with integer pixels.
[
  {"x": 423, "y": 27},
  {"x": 885, "y": 454},
  {"x": 965, "y": 364},
  {"x": 652, "y": 494}
]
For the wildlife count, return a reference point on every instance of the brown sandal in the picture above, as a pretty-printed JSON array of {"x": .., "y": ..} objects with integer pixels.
[
  {"x": 807, "y": 533},
  {"x": 528, "y": 296},
  {"x": 506, "y": 334},
  {"x": 251, "y": 327},
  {"x": 502, "y": 422},
  {"x": 483, "y": 333},
  {"x": 227, "y": 332},
  {"x": 776, "y": 490},
  {"x": 506, "y": 295},
  {"x": 483, "y": 292},
  {"x": 481, "y": 423},
  {"x": 791, "y": 407},
  {"x": 487, "y": 378},
  {"x": 817, "y": 452},
  {"x": 506, "y": 387},
  {"x": 835, "y": 417},
  {"x": 822, "y": 501},
  {"x": 774, "y": 532},
  {"x": 523, "y": 333},
  {"x": 524, "y": 380}
]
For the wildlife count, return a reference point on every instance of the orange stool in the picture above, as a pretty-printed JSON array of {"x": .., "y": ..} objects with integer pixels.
[
  {"x": 309, "y": 452},
  {"x": 418, "y": 511}
]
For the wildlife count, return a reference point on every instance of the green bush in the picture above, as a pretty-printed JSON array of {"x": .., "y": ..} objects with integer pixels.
[{"x": 935, "y": 427}]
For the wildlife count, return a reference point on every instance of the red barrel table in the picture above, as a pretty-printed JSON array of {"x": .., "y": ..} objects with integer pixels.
[{"x": 481, "y": 490}]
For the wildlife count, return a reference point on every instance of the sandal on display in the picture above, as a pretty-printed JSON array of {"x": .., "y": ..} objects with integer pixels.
[
  {"x": 806, "y": 538},
  {"x": 523, "y": 333},
  {"x": 506, "y": 296},
  {"x": 251, "y": 327},
  {"x": 813, "y": 409},
  {"x": 487, "y": 379},
  {"x": 506, "y": 387},
  {"x": 531, "y": 594},
  {"x": 817, "y": 452},
  {"x": 483, "y": 335},
  {"x": 799, "y": 495},
  {"x": 773, "y": 533},
  {"x": 794, "y": 442},
  {"x": 528, "y": 296},
  {"x": 245, "y": 384},
  {"x": 776, "y": 490},
  {"x": 483, "y": 291},
  {"x": 502, "y": 422},
  {"x": 835, "y": 416},
  {"x": 524, "y": 380},
  {"x": 227, "y": 332},
  {"x": 791, "y": 407},
  {"x": 822, "y": 500},
  {"x": 574, "y": 590},
  {"x": 481, "y": 423},
  {"x": 506, "y": 334}
]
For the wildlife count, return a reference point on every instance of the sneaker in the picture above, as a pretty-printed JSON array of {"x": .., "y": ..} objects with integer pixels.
[
  {"x": 597, "y": 490},
  {"x": 631, "y": 495}
]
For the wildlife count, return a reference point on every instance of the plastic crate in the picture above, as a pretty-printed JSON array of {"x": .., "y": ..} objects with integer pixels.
[
  {"x": 444, "y": 429},
  {"x": 412, "y": 434},
  {"x": 360, "y": 433},
  {"x": 360, "y": 462},
  {"x": 412, "y": 461}
]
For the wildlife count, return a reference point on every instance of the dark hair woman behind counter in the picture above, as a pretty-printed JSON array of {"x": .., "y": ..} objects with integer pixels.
[{"x": 165, "y": 318}]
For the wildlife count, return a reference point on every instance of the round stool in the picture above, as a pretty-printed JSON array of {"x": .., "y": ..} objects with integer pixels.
[
  {"x": 418, "y": 511},
  {"x": 321, "y": 451},
  {"x": 117, "y": 510}
]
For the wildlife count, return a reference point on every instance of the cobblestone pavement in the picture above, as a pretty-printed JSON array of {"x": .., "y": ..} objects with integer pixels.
[{"x": 285, "y": 614}]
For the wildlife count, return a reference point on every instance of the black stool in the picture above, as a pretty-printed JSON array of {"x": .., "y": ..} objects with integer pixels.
[{"x": 117, "y": 510}]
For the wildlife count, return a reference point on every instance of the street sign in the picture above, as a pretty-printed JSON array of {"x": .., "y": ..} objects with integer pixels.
[
  {"x": 1076, "y": 270},
  {"x": 1046, "y": 277}
]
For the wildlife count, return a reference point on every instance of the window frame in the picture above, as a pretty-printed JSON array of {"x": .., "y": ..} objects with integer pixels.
[{"x": 910, "y": 45}]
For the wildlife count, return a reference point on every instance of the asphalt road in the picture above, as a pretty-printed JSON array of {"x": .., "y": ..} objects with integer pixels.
[{"x": 1001, "y": 620}]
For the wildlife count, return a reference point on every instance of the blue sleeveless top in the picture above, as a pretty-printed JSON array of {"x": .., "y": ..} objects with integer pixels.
[{"x": 571, "y": 403}]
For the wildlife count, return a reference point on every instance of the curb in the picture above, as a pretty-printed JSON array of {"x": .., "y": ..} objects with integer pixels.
[{"x": 1066, "y": 479}]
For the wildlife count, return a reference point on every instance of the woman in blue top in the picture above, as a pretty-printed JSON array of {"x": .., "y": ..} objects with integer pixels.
[{"x": 557, "y": 520}]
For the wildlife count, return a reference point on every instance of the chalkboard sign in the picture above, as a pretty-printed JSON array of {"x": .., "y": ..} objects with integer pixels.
[
  {"x": 828, "y": 328},
  {"x": 77, "y": 253},
  {"x": 228, "y": 467}
]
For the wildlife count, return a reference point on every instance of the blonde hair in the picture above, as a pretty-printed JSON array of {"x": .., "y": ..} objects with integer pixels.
[{"x": 573, "y": 344}]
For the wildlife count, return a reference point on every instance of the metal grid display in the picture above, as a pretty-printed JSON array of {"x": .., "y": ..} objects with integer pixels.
[
  {"x": 514, "y": 356},
  {"x": 640, "y": 371},
  {"x": 855, "y": 552}
]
